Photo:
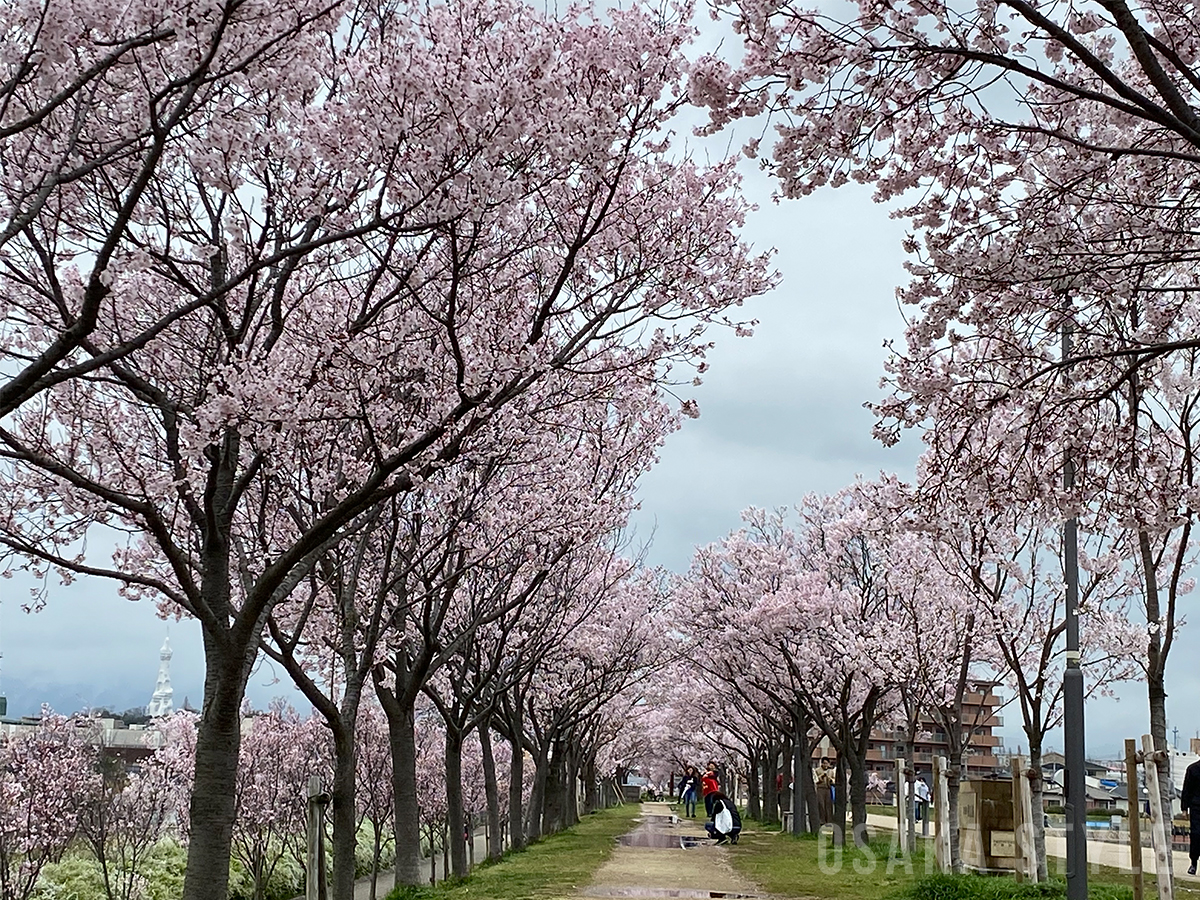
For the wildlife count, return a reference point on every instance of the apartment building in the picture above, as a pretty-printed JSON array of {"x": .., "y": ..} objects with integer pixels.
[{"x": 984, "y": 754}]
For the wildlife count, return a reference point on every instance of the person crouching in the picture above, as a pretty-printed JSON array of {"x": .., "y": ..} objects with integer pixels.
[{"x": 726, "y": 824}]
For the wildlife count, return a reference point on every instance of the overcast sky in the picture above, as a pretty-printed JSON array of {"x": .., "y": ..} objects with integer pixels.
[{"x": 781, "y": 416}]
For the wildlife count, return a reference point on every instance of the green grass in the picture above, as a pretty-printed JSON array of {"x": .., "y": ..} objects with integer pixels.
[
  {"x": 556, "y": 866},
  {"x": 788, "y": 866},
  {"x": 978, "y": 887}
]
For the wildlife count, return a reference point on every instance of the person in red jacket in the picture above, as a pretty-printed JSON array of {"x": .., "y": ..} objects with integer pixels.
[{"x": 709, "y": 785}]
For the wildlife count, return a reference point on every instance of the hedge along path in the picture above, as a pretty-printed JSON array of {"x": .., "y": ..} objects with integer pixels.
[{"x": 663, "y": 857}]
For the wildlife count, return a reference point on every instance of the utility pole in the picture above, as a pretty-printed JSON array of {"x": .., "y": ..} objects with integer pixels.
[{"x": 1073, "y": 676}]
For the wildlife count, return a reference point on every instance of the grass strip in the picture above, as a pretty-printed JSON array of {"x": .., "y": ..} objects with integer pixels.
[
  {"x": 808, "y": 867},
  {"x": 557, "y": 866},
  {"x": 785, "y": 865}
]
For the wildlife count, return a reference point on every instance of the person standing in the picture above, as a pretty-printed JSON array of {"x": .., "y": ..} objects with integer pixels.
[
  {"x": 823, "y": 779},
  {"x": 1189, "y": 799},
  {"x": 688, "y": 786},
  {"x": 924, "y": 795},
  {"x": 710, "y": 784}
]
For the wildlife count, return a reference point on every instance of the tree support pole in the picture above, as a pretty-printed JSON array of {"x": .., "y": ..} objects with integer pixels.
[
  {"x": 1134, "y": 809},
  {"x": 1160, "y": 830}
]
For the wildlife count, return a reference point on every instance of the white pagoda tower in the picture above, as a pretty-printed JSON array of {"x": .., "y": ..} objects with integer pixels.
[{"x": 162, "y": 703}]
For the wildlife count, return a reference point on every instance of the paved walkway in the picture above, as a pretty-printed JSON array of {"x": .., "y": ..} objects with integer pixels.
[{"x": 668, "y": 857}]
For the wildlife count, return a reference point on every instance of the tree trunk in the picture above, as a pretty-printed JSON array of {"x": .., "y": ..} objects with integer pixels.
[
  {"x": 1039, "y": 810},
  {"x": 572, "y": 788},
  {"x": 212, "y": 806},
  {"x": 377, "y": 851},
  {"x": 857, "y": 770},
  {"x": 1156, "y": 665},
  {"x": 785, "y": 790},
  {"x": 810, "y": 794},
  {"x": 839, "y": 801},
  {"x": 402, "y": 737},
  {"x": 754, "y": 804},
  {"x": 1156, "y": 689},
  {"x": 456, "y": 814},
  {"x": 953, "y": 782},
  {"x": 491, "y": 790},
  {"x": 537, "y": 797},
  {"x": 554, "y": 791},
  {"x": 516, "y": 791},
  {"x": 591, "y": 796},
  {"x": 343, "y": 812},
  {"x": 770, "y": 792}
]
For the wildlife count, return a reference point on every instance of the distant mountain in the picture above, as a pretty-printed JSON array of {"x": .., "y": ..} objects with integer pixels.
[{"x": 25, "y": 699}]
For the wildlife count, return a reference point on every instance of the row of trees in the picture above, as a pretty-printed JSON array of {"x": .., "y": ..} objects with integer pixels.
[
  {"x": 353, "y": 323},
  {"x": 64, "y": 792},
  {"x": 1051, "y": 330},
  {"x": 1044, "y": 157},
  {"x": 882, "y": 608}
]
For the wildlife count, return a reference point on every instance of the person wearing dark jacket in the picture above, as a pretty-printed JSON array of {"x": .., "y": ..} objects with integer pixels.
[
  {"x": 726, "y": 824},
  {"x": 688, "y": 787},
  {"x": 1189, "y": 801}
]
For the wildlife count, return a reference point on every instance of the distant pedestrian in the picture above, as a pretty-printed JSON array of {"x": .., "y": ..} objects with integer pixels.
[
  {"x": 726, "y": 824},
  {"x": 824, "y": 776},
  {"x": 709, "y": 784},
  {"x": 1189, "y": 799},
  {"x": 923, "y": 795},
  {"x": 689, "y": 785}
]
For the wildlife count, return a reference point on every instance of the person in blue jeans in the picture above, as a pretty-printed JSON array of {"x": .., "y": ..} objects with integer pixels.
[{"x": 688, "y": 786}]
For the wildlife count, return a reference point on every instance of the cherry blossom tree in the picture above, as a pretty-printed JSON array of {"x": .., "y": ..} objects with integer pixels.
[
  {"x": 44, "y": 777},
  {"x": 430, "y": 812},
  {"x": 272, "y": 800},
  {"x": 818, "y": 598},
  {"x": 1043, "y": 156},
  {"x": 128, "y": 812},
  {"x": 373, "y": 793},
  {"x": 479, "y": 239},
  {"x": 614, "y": 637},
  {"x": 96, "y": 107}
]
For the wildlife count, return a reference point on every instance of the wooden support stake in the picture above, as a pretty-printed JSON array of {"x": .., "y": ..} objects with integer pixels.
[
  {"x": 902, "y": 805},
  {"x": 1134, "y": 818},
  {"x": 941, "y": 798},
  {"x": 1023, "y": 822},
  {"x": 1159, "y": 831},
  {"x": 470, "y": 832},
  {"x": 314, "y": 876}
]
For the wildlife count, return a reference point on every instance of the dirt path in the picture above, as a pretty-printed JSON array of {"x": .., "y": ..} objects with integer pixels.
[{"x": 668, "y": 857}]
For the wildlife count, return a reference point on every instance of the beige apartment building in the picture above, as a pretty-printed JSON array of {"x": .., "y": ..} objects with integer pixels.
[{"x": 984, "y": 754}]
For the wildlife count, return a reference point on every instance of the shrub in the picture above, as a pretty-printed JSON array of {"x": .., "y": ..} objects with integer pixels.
[
  {"x": 409, "y": 892},
  {"x": 164, "y": 869},
  {"x": 78, "y": 876},
  {"x": 72, "y": 878},
  {"x": 285, "y": 881},
  {"x": 978, "y": 887}
]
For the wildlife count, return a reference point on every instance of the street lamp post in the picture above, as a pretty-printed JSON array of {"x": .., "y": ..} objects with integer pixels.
[{"x": 1073, "y": 676}]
